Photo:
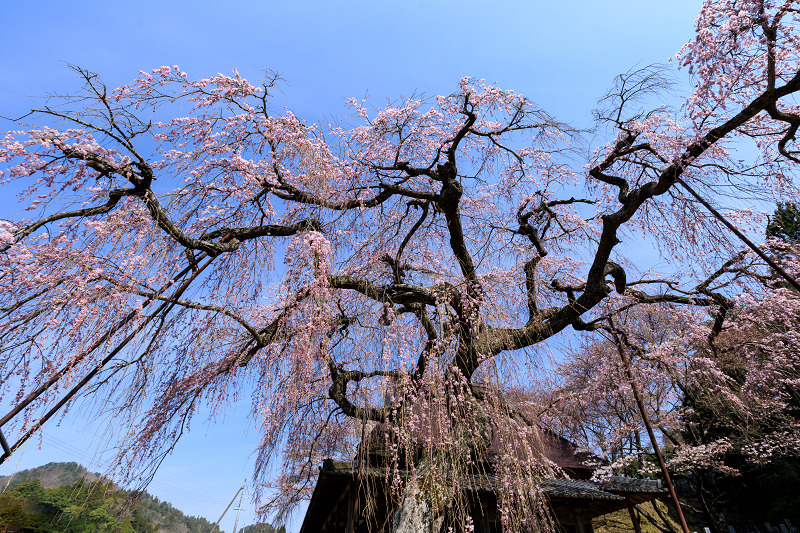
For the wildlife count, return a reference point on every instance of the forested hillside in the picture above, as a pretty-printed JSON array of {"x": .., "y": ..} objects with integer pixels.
[{"x": 66, "y": 498}]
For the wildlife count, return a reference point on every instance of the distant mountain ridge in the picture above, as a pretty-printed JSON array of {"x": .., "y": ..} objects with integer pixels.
[
  {"x": 51, "y": 475},
  {"x": 65, "y": 497}
]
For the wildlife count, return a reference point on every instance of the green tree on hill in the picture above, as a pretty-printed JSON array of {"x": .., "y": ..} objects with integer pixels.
[
  {"x": 785, "y": 223},
  {"x": 79, "y": 507}
]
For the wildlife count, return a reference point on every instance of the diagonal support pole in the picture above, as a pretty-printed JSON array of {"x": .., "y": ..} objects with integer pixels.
[
  {"x": 649, "y": 427},
  {"x": 777, "y": 268}
]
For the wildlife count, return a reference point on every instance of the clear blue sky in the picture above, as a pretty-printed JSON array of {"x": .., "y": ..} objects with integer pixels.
[{"x": 563, "y": 55}]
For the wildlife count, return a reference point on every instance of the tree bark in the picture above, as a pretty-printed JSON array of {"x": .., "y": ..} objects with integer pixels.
[{"x": 419, "y": 512}]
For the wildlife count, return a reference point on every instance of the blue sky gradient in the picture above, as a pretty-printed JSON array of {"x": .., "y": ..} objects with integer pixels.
[{"x": 562, "y": 55}]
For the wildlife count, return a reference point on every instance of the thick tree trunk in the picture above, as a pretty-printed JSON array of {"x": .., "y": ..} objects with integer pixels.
[
  {"x": 418, "y": 514},
  {"x": 422, "y": 509},
  {"x": 428, "y": 501}
]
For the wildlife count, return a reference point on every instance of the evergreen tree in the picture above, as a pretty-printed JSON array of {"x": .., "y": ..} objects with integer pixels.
[{"x": 785, "y": 223}]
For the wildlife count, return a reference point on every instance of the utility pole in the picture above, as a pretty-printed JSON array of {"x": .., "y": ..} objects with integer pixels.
[
  {"x": 216, "y": 526},
  {"x": 236, "y": 522}
]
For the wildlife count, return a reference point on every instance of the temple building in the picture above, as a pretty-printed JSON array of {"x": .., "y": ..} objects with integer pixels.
[{"x": 352, "y": 498}]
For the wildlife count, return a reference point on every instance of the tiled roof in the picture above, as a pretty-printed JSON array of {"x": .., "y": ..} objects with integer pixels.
[
  {"x": 563, "y": 488},
  {"x": 629, "y": 484},
  {"x": 592, "y": 498}
]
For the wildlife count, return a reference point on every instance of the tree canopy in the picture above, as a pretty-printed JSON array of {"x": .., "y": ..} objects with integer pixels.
[{"x": 183, "y": 245}]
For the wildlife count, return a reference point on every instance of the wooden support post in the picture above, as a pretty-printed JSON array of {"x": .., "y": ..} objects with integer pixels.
[
  {"x": 637, "y": 526},
  {"x": 4, "y": 444},
  {"x": 351, "y": 508},
  {"x": 579, "y": 527}
]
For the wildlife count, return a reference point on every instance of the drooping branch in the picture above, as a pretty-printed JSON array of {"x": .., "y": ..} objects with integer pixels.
[
  {"x": 97, "y": 368},
  {"x": 113, "y": 199}
]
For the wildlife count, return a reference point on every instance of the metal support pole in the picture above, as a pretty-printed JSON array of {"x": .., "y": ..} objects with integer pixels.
[
  {"x": 741, "y": 236},
  {"x": 649, "y": 427}
]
